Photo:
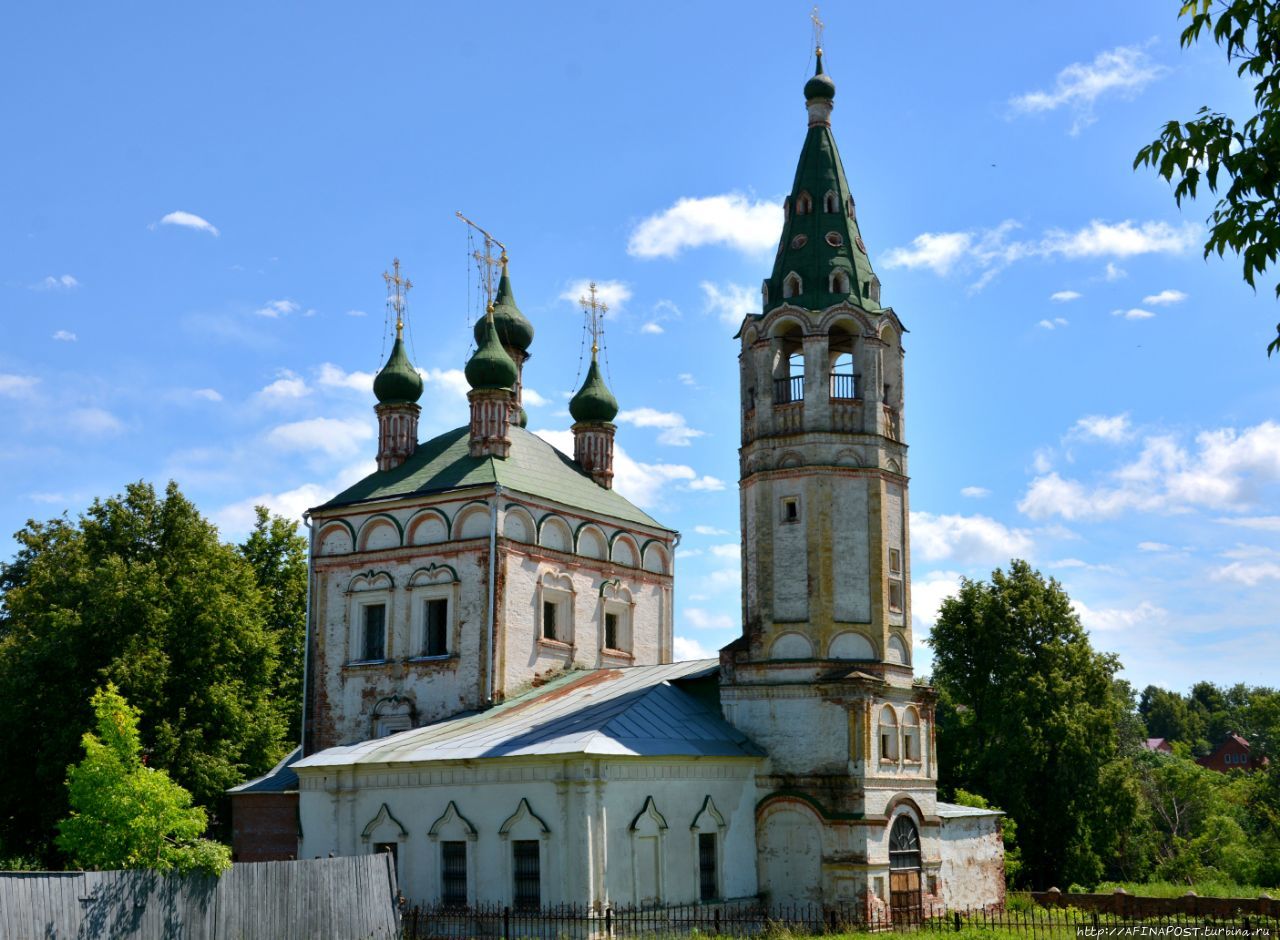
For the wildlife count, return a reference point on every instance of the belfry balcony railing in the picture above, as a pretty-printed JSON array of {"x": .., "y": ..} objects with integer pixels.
[
  {"x": 788, "y": 390},
  {"x": 844, "y": 385}
]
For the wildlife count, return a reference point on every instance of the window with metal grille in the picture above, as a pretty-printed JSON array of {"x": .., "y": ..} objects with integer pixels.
[
  {"x": 375, "y": 632},
  {"x": 611, "y": 631},
  {"x": 707, "y": 887},
  {"x": 453, "y": 863},
  {"x": 528, "y": 874},
  {"x": 904, "y": 844},
  {"x": 548, "y": 620},
  {"x": 436, "y": 619}
]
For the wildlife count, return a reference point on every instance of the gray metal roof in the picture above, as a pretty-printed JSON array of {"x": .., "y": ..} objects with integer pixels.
[
  {"x": 956, "y": 811},
  {"x": 279, "y": 779},
  {"x": 636, "y": 711}
]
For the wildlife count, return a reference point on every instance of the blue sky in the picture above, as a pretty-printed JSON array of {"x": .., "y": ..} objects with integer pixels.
[{"x": 196, "y": 206}]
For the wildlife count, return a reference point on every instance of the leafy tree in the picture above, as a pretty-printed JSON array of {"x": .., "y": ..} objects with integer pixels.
[
  {"x": 1008, "y": 832},
  {"x": 125, "y": 814},
  {"x": 1246, "y": 219},
  {"x": 140, "y": 592},
  {"x": 1171, "y": 716},
  {"x": 1029, "y": 716},
  {"x": 278, "y": 555}
]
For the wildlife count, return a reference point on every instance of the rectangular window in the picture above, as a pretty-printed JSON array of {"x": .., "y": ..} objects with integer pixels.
[
  {"x": 527, "y": 893},
  {"x": 708, "y": 889},
  {"x": 895, "y": 562},
  {"x": 895, "y": 596},
  {"x": 375, "y": 632},
  {"x": 453, "y": 864},
  {"x": 549, "y": 620},
  {"x": 436, "y": 620},
  {"x": 790, "y": 509},
  {"x": 611, "y": 631}
]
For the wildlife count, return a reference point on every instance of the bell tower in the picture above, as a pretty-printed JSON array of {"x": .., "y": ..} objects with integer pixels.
[{"x": 821, "y": 677}]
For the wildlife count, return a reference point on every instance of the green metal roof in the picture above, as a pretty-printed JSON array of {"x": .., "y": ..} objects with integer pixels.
[
  {"x": 398, "y": 381},
  {"x": 533, "y": 467},
  {"x": 594, "y": 402},
  {"x": 806, "y": 246}
]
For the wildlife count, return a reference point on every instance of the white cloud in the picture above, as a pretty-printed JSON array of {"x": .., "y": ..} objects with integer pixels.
[
  {"x": 1053, "y": 324},
  {"x": 332, "y": 376},
  {"x": 733, "y": 220},
  {"x": 238, "y": 518},
  {"x": 207, "y": 394},
  {"x": 707, "y": 484},
  {"x": 334, "y": 437},
  {"x": 17, "y": 386},
  {"x": 453, "y": 381},
  {"x": 1114, "y": 428},
  {"x": 531, "y": 398},
  {"x": 1263, "y": 523},
  {"x": 975, "y": 492},
  {"x": 61, "y": 282},
  {"x": 65, "y": 336},
  {"x": 1154, "y": 547},
  {"x": 1109, "y": 619},
  {"x": 701, "y": 619},
  {"x": 1123, "y": 71},
  {"x": 1113, "y": 272},
  {"x": 652, "y": 328},
  {"x": 356, "y": 313},
  {"x": 275, "y": 309},
  {"x": 928, "y": 593},
  {"x": 1249, "y": 574},
  {"x": 730, "y": 550},
  {"x": 289, "y": 386},
  {"x": 1135, "y": 313},
  {"x": 989, "y": 251},
  {"x": 614, "y": 294},
  {"x": 189, "y": 220},
  {"x": 1064, "y": 296},
  {"x": 1227, "y": 469},
  {"x": 686, "y": 378},
  {"x": 709, "y": 530},
  {"x": 686, "y": 649},
  {"x": 645, "y": 484},
  {"x": 730, "y": 302},
  {"x": 1165, "y": 297},
  {"x": 95, "y": 421},
  {"x": 674, "y": 430},
  {"x": 966, "y": 539}
]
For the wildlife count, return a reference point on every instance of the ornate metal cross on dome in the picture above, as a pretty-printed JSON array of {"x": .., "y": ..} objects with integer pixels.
[
  {"x": 818, "y": 26},
  {"x": 595, "y": 311},
  {"x": 401, "y": 286},
  {"x": 486, "y": 260}
]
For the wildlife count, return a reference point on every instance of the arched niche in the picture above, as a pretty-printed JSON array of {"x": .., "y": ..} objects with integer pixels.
[
  {"x": 379, "y": 532},
  {"x": 789, "y": 849},
  {"x": 655, "y": 558},
  {"x": 850, "y": 645},
  {"x": 518, "y": 525},
  {"x": 896, "y": 652},
  {"x": 472, "y": 522},
  {"x": 428, "y": 527},
  {"x": 791, "y": 646},
  {"x": 335, "y": 538},
  {"x": 592, "y": 542},
  {"x": 624, "y": 551},
  {"x": 554, "y": 533}
]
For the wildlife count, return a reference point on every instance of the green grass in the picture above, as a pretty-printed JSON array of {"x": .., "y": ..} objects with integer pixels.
[{"x": 1207, "y": 889}]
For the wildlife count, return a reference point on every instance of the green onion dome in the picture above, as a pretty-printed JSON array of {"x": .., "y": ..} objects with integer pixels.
[
  {"x": 821, "y": 85},
  {"x": 490, "y": 367},
  {"x": 398, "y": 382},
  {"x": 514, "y": 329},
  {"x": 594, "y": 403},
  {"x": 522, "y": 419}
]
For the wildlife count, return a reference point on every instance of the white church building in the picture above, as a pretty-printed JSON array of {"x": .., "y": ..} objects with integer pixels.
[{"x": 490, "y": 692}]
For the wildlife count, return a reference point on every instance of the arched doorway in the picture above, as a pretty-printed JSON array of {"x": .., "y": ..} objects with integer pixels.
[
  {"x": 904, "y": 872},
  {"x": 789, "y": 845}
]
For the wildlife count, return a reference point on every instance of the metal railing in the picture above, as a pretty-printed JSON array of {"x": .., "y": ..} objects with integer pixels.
[
  {"x": 844, "y": 385},
  {"x": 787, "y": 390}
]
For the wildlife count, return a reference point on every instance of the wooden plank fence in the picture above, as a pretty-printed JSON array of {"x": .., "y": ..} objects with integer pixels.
[{"x": 326, "y": 898}]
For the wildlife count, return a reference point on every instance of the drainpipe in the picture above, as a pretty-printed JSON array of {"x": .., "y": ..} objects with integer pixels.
[
  {"x": 671, "y": 614},
  {"x": 306, "y": 636},
  {"x": 491, "y": 657}
]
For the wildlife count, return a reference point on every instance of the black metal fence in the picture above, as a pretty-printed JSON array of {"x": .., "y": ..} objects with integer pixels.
[{"x": 751, "y": 919}]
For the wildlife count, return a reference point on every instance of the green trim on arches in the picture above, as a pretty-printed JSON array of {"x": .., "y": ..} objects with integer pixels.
[
  {"x": 383, "y": 515},
  {"x": 650, "y": 808},
  {"x": 370, "y": 575},
  {"x": 709, "y": 809},
  {"x": 435, "y": 566},
  {"x": 523, "y": 809},
  {"x": 432, "y": 511}
]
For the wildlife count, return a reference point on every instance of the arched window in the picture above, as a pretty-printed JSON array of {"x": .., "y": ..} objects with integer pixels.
[
  {"x": 839, "y": 282},
  {"x": 904, "y": 845},
  {"x": 844, "y": 383},
  {"x": 911, "y": 736},
  {"x": 804, "y": 204},
  {"x": 788, "y": 364},
  {"x": 792, "y": 286},
  {"x": 830, "y": 202},
  {"x": 764, "y": 294},
  {"x": 888, "y": 735}
]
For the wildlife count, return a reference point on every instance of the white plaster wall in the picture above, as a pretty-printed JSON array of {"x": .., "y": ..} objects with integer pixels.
[
  {"x": 802, "y": 733},
  {"x": 790, "y": 552},
  {"x": 849, "y": 551},
  {"x": 895, "y": 524},
  {"x": 972, "y": 862},
  {"x": 587, "y": 805}
]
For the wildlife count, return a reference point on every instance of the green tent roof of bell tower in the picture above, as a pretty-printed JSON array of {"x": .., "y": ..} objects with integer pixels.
[{"x": 820, "y": 234}]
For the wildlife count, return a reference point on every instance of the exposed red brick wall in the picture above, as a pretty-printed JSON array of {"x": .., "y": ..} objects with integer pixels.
[{"x": 264, "y": 827}]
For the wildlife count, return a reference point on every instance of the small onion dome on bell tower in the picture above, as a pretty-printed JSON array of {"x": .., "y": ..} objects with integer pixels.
[
  {"x": 821, "y": 85},
  {"x": 398, "y": 382},
  {"x": 514, "y": 329},
  {"x": 490, "y": 367},
  {"x": 594, "y": 403}
]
